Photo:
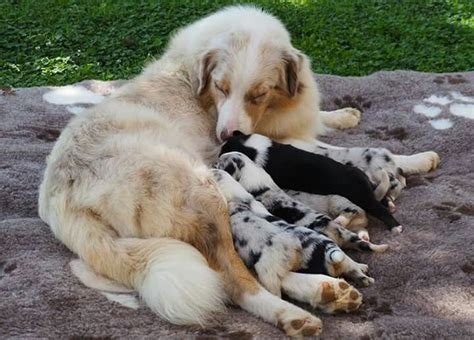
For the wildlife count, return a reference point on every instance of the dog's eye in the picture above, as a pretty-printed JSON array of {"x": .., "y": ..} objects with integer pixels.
[
  {"x": 258, "y": 97},
  {"x": 220, "y": 89}
]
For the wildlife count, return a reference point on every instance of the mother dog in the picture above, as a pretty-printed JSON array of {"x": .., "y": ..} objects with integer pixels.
[{"x": 128, "y": 186}]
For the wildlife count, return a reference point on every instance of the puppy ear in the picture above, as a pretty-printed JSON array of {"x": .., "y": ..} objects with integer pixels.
[
  {"x": 207, "y": 63},
  {"x": 293, "y": 61}
]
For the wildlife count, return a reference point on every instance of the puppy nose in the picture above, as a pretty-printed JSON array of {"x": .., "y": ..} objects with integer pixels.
[{"x": 226, "y": 134}]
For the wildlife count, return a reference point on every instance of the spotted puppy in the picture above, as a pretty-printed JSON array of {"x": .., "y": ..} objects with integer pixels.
[
  {"x": 296, "y": 169},
  {"x": 273, "y": 247},
  {"x": 260, "y": 185}
]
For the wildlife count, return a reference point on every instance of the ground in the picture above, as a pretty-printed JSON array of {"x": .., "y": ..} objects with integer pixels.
[{"x": 60, "y": 42}]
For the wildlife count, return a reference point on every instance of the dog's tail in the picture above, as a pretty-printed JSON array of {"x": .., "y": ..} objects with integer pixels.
[{"x": 172, "y": 277}]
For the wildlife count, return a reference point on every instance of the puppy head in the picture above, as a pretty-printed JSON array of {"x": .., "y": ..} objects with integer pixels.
[{"x": 244, "y": 79}]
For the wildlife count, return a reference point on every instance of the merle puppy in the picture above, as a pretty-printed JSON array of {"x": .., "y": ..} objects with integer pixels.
[
  {"x": 296, "y": 169},
  {"x": 273, "y": 247}
]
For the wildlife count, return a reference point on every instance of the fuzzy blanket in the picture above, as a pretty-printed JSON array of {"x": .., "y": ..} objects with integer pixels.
[{"x": 424, "y": 283}]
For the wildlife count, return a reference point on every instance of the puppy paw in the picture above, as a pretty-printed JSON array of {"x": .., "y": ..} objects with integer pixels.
[
  {"x": 364, "y": 234},
  {"x": 432, "y": 160},
  {"x": 363, "y": 281},
  {"x": 397, "y": 230}
]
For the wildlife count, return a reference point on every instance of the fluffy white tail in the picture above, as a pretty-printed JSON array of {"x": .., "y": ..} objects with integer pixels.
[
  {"x": 180, "y": 287},
  {"x": 172, "y": 277}
]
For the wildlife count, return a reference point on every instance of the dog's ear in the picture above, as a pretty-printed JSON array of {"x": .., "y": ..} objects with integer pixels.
[
  {"x": 293, "y": 61},
  {"x": 206, "y": 64}
]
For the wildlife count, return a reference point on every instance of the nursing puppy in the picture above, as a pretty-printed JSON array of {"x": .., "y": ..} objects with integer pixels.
[{"x": 296, "y": 169}]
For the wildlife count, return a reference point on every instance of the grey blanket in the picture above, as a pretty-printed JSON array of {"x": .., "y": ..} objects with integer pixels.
[{"x": 424, "y": 283}]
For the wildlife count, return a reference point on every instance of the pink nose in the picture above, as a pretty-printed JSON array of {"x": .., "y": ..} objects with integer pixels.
[{"x": 226, "y": 134}]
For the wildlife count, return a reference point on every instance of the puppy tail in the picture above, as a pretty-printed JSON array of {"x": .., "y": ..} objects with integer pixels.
[{"x": 172, "y": 277}]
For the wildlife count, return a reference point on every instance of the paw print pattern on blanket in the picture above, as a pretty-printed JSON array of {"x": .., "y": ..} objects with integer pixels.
[
  {"x": 6, "y": 267},
  {"x": 453, "y": 211},
  {"x": 451, "y": 79},
  {"x": 71, "y": 95},
  {"x": 359, "y": 102},
  {"x": 48, "y": 134},
  {"x": 439, "y": 108},
  {"x": 386, "y": 133}
]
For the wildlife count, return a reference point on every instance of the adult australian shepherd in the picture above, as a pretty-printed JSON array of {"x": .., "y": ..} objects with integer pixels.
[{"x": 128, "y": 185}]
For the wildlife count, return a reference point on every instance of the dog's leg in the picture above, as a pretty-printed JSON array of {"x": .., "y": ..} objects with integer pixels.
[
  {"x": 242, "y": 286},
  {"x": 320, "y": 251},
  {"x": 347, "y": 239},
  {"x": 339, "y": 264},
  {"x": 422, "y": 162},
  {"x": 323, "y": 292},
  {"x": 341, "y": 119},
  {"x": 375, "y": 161}
]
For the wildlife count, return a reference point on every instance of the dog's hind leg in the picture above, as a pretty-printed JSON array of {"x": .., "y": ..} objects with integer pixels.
[
  {"x": 347, "y": 239},
  {"x": 347, "y": 213},
  {"x": 323, "y": 256},
  {"x": 339, "y": 264},
  {"x": 339, "y": 208}
]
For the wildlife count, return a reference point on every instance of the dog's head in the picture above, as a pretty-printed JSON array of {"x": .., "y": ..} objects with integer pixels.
[{"x": 244, "y": 78}]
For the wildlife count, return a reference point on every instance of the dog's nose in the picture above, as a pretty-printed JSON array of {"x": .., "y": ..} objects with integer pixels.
[{"x": 226, "y": 134}]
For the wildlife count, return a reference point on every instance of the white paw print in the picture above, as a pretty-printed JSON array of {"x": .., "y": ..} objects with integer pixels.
[
  {"x": 77, "y": 98},
  {"x": 455, "y": 103}
]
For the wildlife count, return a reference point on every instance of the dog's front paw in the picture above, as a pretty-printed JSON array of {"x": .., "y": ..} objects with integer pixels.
[{"x": 341, "y": 119}]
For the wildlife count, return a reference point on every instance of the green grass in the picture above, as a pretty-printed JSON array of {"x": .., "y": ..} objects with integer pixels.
[{"x": 58, "y": 42}]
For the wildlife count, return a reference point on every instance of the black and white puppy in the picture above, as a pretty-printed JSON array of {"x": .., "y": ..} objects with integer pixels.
[
  {"x": 272, "y": 247},
  {"x": 296, "y": 169}
]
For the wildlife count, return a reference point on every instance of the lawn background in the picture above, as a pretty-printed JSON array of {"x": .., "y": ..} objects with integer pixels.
[{"x": 59, "y": 42}]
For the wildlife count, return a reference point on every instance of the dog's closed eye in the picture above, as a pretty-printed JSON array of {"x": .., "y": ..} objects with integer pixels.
[
  {"x": 220, "y": 89},
  {"x": 256, "y": 98}
]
